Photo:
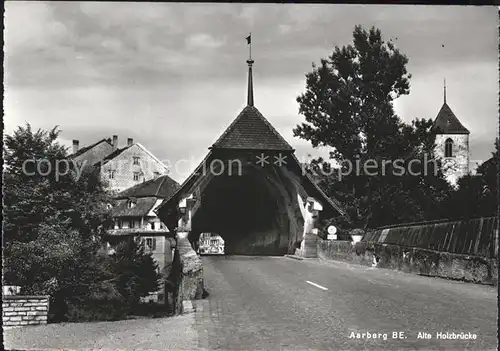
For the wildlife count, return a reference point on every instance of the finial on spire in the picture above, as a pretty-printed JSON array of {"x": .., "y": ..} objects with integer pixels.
[
  {"x": 444, "y": 88},
  {"x": 250, "y": 81}
]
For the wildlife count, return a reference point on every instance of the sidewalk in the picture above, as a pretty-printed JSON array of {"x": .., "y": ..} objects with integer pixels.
[{"x": 170, "y": 333}]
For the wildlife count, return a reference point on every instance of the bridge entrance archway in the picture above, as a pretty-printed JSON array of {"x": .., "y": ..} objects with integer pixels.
[{"x": 246, "y": 211}]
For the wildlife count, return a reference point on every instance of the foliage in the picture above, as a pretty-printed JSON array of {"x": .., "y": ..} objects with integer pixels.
[
  {"x": 476, "y": 195},
  {"x": 136, "y": 272},
  {"x": 348, "y": 102},
  {"x": 52, "y": 229},
  {"x": 348, "y": 106}
]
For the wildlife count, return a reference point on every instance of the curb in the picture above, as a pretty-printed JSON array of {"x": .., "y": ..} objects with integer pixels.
[{"x": 295, "y": 257}]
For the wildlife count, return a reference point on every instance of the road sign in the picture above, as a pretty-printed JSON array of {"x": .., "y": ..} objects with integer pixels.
[{"x": 332, "y": 230}]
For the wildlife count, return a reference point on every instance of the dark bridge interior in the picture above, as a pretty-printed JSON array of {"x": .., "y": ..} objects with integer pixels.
[{"x": 246, "y": 211}]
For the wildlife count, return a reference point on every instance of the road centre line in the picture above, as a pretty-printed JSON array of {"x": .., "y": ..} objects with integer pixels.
[{"x": 316, "y": 285}]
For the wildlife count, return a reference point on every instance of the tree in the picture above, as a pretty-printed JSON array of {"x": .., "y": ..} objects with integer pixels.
[
  {"x": 348, "y": 102},
  {"x": 53, "y": 221},
  {"x": 48, "y": 217},
  {"x": 476, "y": 195},
  {"x": 136, "y": 271},
  {"x": 348, "y": 106}
]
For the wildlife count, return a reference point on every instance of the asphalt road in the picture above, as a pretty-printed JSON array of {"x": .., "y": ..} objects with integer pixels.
[
  {"x": 271, "y": 303},
  {"x": 266, "y": 303}
]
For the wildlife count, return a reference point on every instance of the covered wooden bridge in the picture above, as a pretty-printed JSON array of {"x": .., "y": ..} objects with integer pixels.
[{"x": 250, "y": 189}]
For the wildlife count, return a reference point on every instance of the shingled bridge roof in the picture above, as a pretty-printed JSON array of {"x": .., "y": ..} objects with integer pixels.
[{"x": 251, "y": 130}]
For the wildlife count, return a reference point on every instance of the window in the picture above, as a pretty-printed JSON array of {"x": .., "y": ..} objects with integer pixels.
[
  {"x": 111, "y": 174},
  {"x": 136, "y": 176},
  {"x": 153, "y": 225},
  {"x": 135, "y": 224},
  {"x": 448, "y": 148},
  {"x": 149, "y": 243},
  {"x": 136, "y": 160},
  {"x": 156, "y": 174},
  {"x": 131, "y": 204}
]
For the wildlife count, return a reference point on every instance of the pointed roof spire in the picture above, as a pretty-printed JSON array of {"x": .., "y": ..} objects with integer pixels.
[
  {"x": 446, "y": 122},
  {"x": 250, "y": 84},
  {"x": 444, "y": 90},
  {"x": 250, "y": 79}
]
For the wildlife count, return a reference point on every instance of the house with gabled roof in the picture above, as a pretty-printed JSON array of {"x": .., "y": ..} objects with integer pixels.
[
  {"x": 131, "y": 165},
  {"x": 134, "y": 218},
  {"x": 250, "y": 189},
  {"x": 452, "y": 143},
  {"x": 122, "y": 167},
  {"x": 93, "y": 153}
]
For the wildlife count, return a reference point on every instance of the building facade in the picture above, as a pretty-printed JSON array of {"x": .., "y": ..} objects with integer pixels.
[
  {"x": 211, "y": 243},
  {"x": 131, "y": 165},
  {"x": 121, "y": 168},
  {"x": 140, "y": 183},
  {"x": 134, "y": 218}
]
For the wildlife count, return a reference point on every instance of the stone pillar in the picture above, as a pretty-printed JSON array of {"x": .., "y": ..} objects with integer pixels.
[
  {"x": 191, "y": 282},
  {"x": 309, "y": 246},
  {"x": 310, "y": 212}
]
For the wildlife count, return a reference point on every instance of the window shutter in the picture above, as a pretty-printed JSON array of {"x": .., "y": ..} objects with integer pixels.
[{"x": 154, "y": 244}]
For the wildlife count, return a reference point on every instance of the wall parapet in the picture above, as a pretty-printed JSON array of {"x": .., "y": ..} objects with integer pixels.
[
  {"x": 19, "y": 310},
  {"x": 465, "y": 267},
  {"x": 478, "y": 237},
  {"x": 190, "y": 283}
]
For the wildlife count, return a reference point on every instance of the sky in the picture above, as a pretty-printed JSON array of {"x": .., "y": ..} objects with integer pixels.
[{"x": 173, "y": 76}]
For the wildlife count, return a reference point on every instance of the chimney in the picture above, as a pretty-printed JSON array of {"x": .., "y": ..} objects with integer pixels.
[
  {"x": 130, "y": 141},
  {"x": 115, "y": 142},
  {"x": 75, "y": 146}
]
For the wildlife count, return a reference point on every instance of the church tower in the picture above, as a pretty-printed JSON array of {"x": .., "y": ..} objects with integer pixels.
[{"x": 452, "y": 143}]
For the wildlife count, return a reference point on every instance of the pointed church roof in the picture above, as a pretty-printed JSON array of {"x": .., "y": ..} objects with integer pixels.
[
  {"x": 251, "y": 130},
  {"x": 447, "y": 123}
]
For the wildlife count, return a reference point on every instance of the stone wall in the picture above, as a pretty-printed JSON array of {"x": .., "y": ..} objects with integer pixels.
[
  {"x": 433, "y": 263},
  {"x": 420, "y": 261},
  {"x": 473, "y": 237},
  {"x": 309, "y": 246},
  {"x": 24, "y": 310},
  {"x": 190, "y": 284},
  {"x": 344, "y": 251}
]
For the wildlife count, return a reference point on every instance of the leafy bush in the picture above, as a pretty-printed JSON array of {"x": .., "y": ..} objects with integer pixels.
[
  {"x": 136, "y": 272},
  {"x": 52, "y": 229},
  {"x": 104, "y": 303}
]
